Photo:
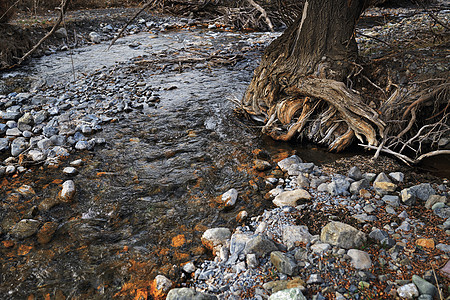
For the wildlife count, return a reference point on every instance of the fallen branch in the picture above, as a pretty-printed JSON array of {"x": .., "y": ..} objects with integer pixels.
[
  {"x": 263, "y": 13},
  {"x": 154, "y": 2},
  {"x": 62, "y": 10},
  {"x": 7, "y": 11}
]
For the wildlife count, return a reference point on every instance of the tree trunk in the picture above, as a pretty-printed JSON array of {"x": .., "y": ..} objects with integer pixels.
[{"x": 303, "y": 84}]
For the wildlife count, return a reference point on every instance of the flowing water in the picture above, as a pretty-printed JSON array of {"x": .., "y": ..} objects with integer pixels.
[{"x": 143, "y": 199}]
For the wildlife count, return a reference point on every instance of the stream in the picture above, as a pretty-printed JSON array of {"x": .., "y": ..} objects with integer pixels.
[{"x": 173, "y": 146}]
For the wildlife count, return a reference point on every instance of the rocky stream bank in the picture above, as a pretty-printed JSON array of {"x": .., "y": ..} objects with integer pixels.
[{"x": 331, "y": 236}]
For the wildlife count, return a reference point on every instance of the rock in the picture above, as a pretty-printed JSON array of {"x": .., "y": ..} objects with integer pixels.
[
  {"x": 25, "y": 228},
  {"x": 260, "y": 245},
  {"x": 229, "y": 198},
  {"x": 262, "y": 165},
  {"x": 37, "y": 155},
  {"x": 360, "y": 259},
  {"x": 408, "y": 291},
  {"x": 320, "y": 248},
  {"x": 160, "y": 287},
  {"x": 290, "y": 198},
  {"x": 61, "y": 33},
  {"x": 26, "y": 191},
  {"x": 188, "y": 294},
  {"x": 44, "y": 144},
  {"x": 382, "y": 177},
  {"x": 85, "y": 145},
  {"x": 283, "y": 263},
  {"x": 393, "y": 201},
  {"x": 288, "y": 294},
  {"x": 442, "y": 211},
  {"x": 241, "y": 216},
  {"x": 287, "y": 162},
  {"x": 252, "y": 260},
  {"x": 189, "y": 268},
  {"x": 10, "y": 115},
  {"x": 45, "y": 234},
  {"x": 446, "y": 224},
  {"x": 363, "y": 218},
  {"x": 422, "y": 191},
  {"x": 94, "y": 37},
  {"x": 40, "y": 117},
  {"x": 13, "y": 132},
  {"x": 314, "y": 278},
  {"x": 433, "y": 199},
  {"x": 294, "y": 236},
  {"x": 77, "y": 163},
  {"x": 424, "y": 286},
  {"x": 357, "y": 186},
  {"x": 426, "y": 243},
  {"x": 67, "y": 192},
  {"x": 355, "y": 173},
  {"x": 342, "y": 235},
  {"x": 214, "y": 238},
  {"x": 4, "y": 145},
  {"x": 19, "y": 145},
  {"x": 365, "y": 194},
  {"x": 443, "y": 247},
  {"x": 339, "y": 186},
  {"x": 323, "y": 187},
  {"x": 48, "y": 203},
  {"x": 378, "y": 234},
  {"x": 403, "y": 215},
  {"x": 397, "y": 176},
  {"x": 446, "y": 270},
  {"x": 408, "y": 196},
  {"x": 302, "y": 181},
  {"x": 297, "y": 169},
  {"x": 382, "y": 188},
  {"x": 70, "y": 171}
]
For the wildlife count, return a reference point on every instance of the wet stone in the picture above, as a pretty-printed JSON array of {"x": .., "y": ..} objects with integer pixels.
[
  {"x": 70, "y": 171},
  {"x": 287, "y": 162},
  {"x": 45, "y": 234},
  {"x": 19, "y": 145},
  {"x": 25, "y": 228}
]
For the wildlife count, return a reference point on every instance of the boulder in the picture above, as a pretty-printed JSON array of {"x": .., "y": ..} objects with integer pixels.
[
  {"x": 160, "y": 287},
  {"x": 342, "y": 235},
  {"x": 260, "y": 245},
  {"x": 290, "y": 198},
  {"x": 424, "y": 286}
]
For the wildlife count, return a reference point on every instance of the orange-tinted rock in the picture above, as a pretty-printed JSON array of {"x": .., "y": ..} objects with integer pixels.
[
  {"x": 26, "y": 191},
  {"x": 426, "y": 243},
  {"x": 24, "y": 250},
  {"x": 68, "y": 191},
  {"x": 363, "y": 193},
  {"x": 8, "y": 244},
  {"x": 46, "y": 233},
  {"x": 241, "y": 216}
]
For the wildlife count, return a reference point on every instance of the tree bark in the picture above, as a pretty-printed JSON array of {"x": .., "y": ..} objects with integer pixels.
[{"x": 301, "y": 85}]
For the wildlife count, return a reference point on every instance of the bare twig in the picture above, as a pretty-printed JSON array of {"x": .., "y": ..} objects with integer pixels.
[
  {"x": 153, "y": 3},
  {"x": 11, "y": 7},
  {"x": 62, "y": 10},
  {"x": 441, "y": 296}
]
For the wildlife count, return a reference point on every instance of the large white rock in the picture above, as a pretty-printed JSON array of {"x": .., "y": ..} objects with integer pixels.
[
  {"x": 408, "y": 291},
  {"x": 214, "y": 238},
  {"x": 229, "y": 198},
  {"x": 290, "y": 198},
  {"x": 342, "y": 235},
  {"x": 68, "y": 191},
  {"x": 288, "y": 294},
  {"x": 293, "y": 236}
]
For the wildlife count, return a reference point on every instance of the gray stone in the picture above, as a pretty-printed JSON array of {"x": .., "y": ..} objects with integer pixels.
[
  {"x": 26, "y": 119},
  {"x": 188, "y": 294},
  {"x": 397, "y": 176},
  {"x": 378, "y": 234},
  {"x": 3, "y": 128},
  {"x": 25, "y": 228},
  {"x": 342, "y": 235},
  {"x": 19, "y": 145},
  {"x": 305, "y": 167},
  {"x": 323, "y": 187},
  {"x": 339, "y": 186},
  {"x": 425, "y": 297},
  {"x": 283, "y": 263},
  {"x": 370, "y": 176},
  {"x": 422, "y": 191},
  {"x": 61, "y": 33},
  {"x": 405, "y": 226},
  {"x": 302, "y": 181},
  {"x": 382, "y": 177},
  {"x": 14, "y": 132},
  {"x": 365, "y": 218},
  {"x": 320, "y": 248},
  {"x": 260, "y": 245},
  {"x": 433, "y": 199},
  {"x": 408, "y": 291},
  {"x": 389, "y": 242},
  {"x": 229, "y": 198},
  {"x": 443, "y": 247},
  {"x": 408, "y": 196},
  {"x": 70, "y": 171},
  {"x": 77, "y": 163},
  {"x": 189, "y": 268},
  {"x": 369, "y": 208},
  {"x": 290, "y": 198},
  {"x": 49, "y": 131},
  {"x": 10, "y": 115},
  {"x": 58, "y": 140},
  {"x": 356, "y": 186},
  {"x": 442, "y": 212},
  {"x": 84, "y": 145},
  {"x": 403, "y": 215},
  {"x": 293, "y": 236},
  {"x": 391, "y": 200},
  {"x": 288, "y": 294},
  {"x": 360, "y": 259},
  {"x": 40, "y": 116},
  {"x": 447, "y": 224},
  {"x": 252, "y": 260},
  {"x": 355, "y": 173},
  {"x": 287, "y": 162},
  {"x": 4, "y": 145},
  {"x": 438, "y": 205},
  {"x": 424, "y": 286}
]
